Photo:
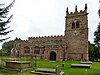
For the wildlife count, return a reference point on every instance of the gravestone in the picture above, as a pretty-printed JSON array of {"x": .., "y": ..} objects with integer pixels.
[
  {"x": 19, "y": 65},
  {"x": 81, "y": 65},
  {"x": 86, "y": 62},
  {"x": 57, "y": 70}
]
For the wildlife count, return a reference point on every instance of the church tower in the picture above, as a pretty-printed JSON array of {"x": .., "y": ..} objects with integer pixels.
[{"x": 76, "y": 34}]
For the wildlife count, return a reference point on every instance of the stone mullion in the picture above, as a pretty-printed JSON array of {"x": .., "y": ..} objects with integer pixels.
[{"x": 30, "y": 50}]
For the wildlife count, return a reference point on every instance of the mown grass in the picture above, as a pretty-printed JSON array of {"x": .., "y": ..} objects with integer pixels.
[{"x": 94, "y": 70}]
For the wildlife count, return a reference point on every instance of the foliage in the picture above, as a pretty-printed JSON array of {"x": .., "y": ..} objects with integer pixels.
[
  {"x": 7, "y": 46},
  {"x": 91, "y": 51},
  {"x": 3, "y": 53},
  {"x": 4, "y": 20},
  {"x": 94, "y": 52},
  {"x": 99, "y": 11},
  {"x": 97, "y": 36},
  {"x": 95, "y": 49}
]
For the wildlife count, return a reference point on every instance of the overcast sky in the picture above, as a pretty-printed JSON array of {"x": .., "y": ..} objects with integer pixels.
[{"x": 47, "y": 17}]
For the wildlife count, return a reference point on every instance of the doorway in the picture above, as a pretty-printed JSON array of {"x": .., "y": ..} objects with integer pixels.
[{"x": 53, "y": 56}]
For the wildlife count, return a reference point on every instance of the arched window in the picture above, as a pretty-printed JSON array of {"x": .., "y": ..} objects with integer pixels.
[
  {"x": 36, "y": 50},
  {"x": 73, "y": 25},
  {"x": 77, "y": 24},
  {"x": 26, "y": 50}
]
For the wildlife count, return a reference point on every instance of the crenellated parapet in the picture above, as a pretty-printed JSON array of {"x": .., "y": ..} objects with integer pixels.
[
  {"x": 46, "y": 37},
  {"x": 76, "y": 12},
  {"x": 25, "y": 40}
]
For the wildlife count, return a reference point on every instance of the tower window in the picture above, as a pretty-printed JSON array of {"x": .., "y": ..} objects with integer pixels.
[
  {"x": 73, "y": 25},
  {"x": 77, "y": 24}
]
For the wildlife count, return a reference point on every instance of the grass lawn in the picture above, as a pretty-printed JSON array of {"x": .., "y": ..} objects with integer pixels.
[{"x": 94, "y": 70}]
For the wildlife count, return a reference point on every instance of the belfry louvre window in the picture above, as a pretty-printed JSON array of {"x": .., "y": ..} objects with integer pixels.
[
  {"x": 73, "y": 25},
  {"x": 26, "y": 50},
  {"x": 77, "y": 24}
]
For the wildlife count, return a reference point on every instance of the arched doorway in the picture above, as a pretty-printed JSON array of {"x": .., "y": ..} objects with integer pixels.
[{"x": 53, "y": 56}]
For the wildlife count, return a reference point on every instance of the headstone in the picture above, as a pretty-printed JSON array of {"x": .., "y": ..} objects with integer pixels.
[
  {"x": 98, "y": 59},
  {"x": 63, "y": 64},
  {"x": 57, "y": 70},
  {"x": 86, "y": 62}
]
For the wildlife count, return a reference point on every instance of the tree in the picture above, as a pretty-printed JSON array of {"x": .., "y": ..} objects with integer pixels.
[
  {"x": 91, "y": 50},
  {"x": 94, "y": 51},
  {"x": 97, "y": 32},
  {"x": 97, "y": 36},
  {"x": 7, "y": 46},
  {"x": 4, "y": 20}
]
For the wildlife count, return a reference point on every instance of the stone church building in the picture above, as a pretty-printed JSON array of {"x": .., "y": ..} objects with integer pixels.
[{"x": 73, "y": 45}]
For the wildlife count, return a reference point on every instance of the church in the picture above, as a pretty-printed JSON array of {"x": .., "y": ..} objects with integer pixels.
[{"x": 73, "y": 45}]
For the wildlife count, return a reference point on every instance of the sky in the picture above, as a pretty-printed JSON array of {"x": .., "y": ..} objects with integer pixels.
[{"x": 33, "y": 18}]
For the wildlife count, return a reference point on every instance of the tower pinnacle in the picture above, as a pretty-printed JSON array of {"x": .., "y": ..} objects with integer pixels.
[
  {"x": 76, "y": 8},
  {"x": 85, "y": 7},
  {"x": 67, "y": 12}
]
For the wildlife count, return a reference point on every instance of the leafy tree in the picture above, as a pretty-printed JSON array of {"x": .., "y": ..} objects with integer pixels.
[
  {"x": 91, "y": 50},
  {"x": 97, "y": 36},
  {"x": 94, "y": 52},
  {"x": 4, "y": 20},
  {"x": 3, "y": 53},
  {"x": 97, "y": 32},
  {"x": 7, "y": 46},
  {"x": 96, "y": 47}
]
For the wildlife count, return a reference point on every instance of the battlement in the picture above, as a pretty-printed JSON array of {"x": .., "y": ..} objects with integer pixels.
[
  {"x": 46, "y": 38},
  {"x": 41, "y": 37},
  {"x": 76, "y": 12},
  {"x": 25, "y": 40}
]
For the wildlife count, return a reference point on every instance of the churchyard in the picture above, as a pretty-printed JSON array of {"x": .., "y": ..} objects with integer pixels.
[{"x": 65, "y": 66}]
